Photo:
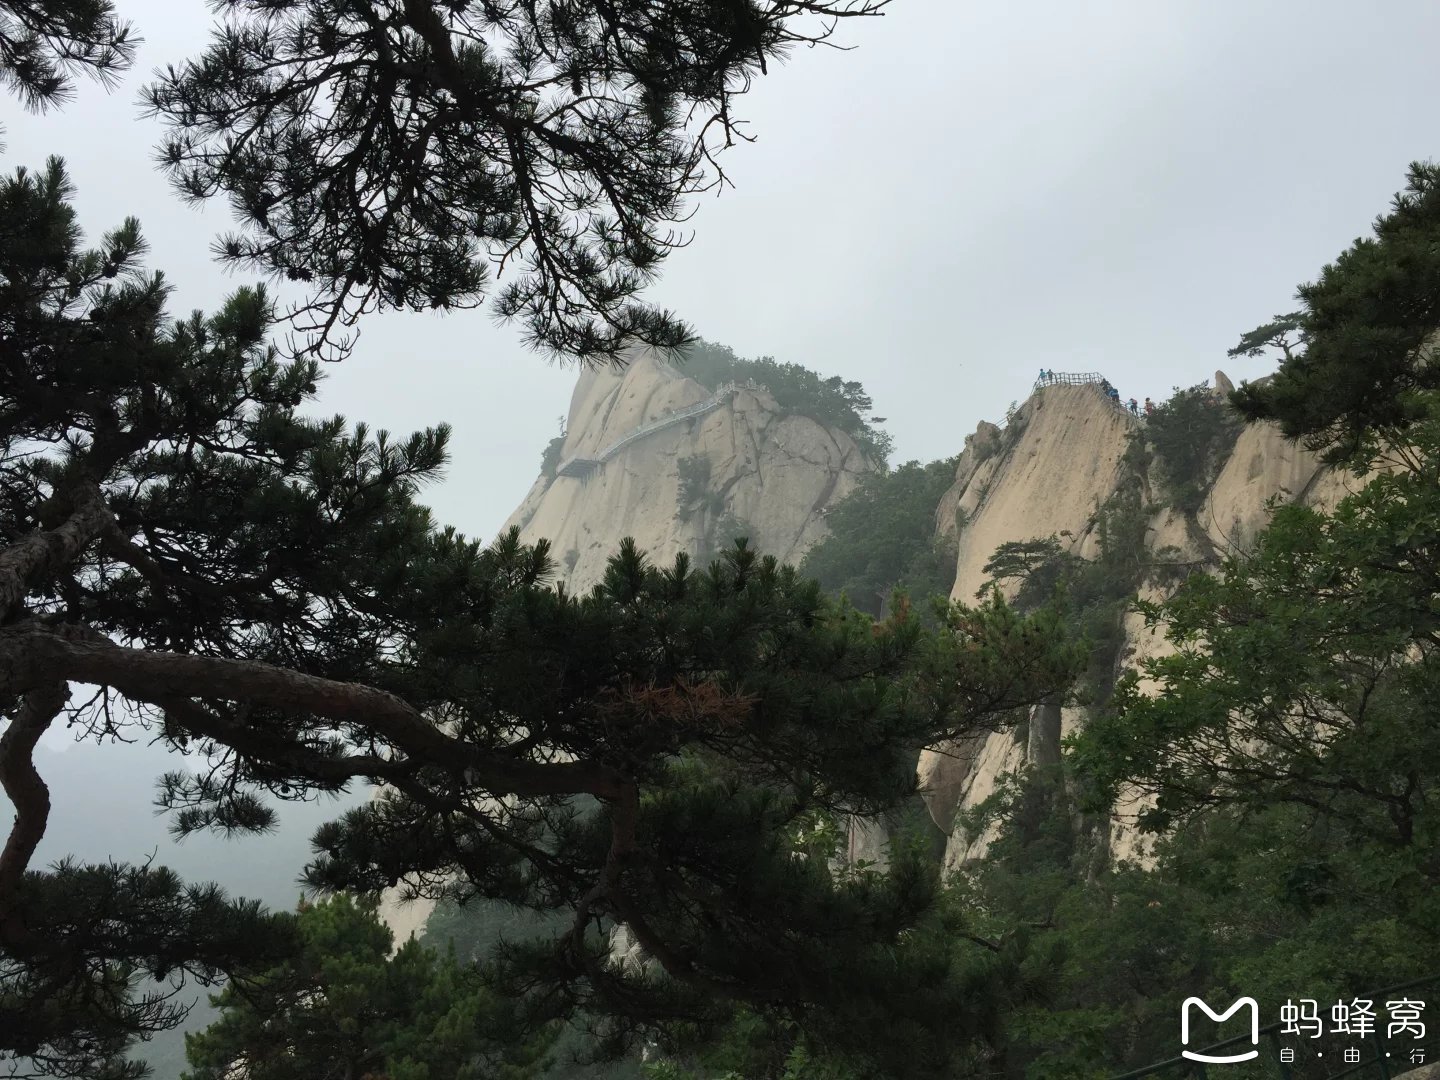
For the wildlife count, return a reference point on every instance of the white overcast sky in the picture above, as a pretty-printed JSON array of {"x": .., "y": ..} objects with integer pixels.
[{"x": 976, "y": 191}]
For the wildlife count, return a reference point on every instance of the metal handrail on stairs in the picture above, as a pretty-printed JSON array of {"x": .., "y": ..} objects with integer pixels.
[{"x": 584, "y": 466}]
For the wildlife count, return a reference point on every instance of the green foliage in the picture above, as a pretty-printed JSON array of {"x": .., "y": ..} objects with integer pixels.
[
  {"x": 1094, "y": 594},
  {"x": 1289, "y": 661},
  {"x": 1039, "y": 566},
  {"x": 1123, "y": 561},
  {"x": 44, "y": 44},
  {"x": 1288, "y": 760},
  {"x": 882, "y": 538},
  {"x": 263, "y": 587},
  {"x": 728, "y": 528},
  {"x": 1192, "y": 436},
  {"x": 721, "y": 525},
  {"x": 1098, "y": 956},
  {"x": 1282, "y": 332},
  {"x": 550, "y": 459},
  {"x": 71, "y": 996},
  {"x": 99, "y": 388},
  {"x": 1095, "y": 957},
  {"x": 1357, "y": 355},
  {"x": 1285, "y": 755},
  {"x": 833, "y": 401},
  {"x": 477, "y": 929},
  {"x": 695, "y": 496},
  {"x": 340, "y": 1005},
  {"x": 751, "y": 1049}
]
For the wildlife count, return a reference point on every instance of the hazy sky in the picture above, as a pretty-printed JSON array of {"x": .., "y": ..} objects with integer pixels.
[{"x": 976, "y": 191}]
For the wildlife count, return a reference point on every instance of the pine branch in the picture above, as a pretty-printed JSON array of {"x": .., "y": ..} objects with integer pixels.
[
  {"x": 26, "y": 789},
  {"x": 25, "y": 562},
  {"x": 30, "y": 655}
]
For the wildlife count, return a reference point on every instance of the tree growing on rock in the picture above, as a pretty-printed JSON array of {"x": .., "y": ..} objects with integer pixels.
[{"x": 1359, "y": 355}]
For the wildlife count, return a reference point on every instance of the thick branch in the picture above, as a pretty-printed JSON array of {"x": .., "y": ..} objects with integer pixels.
[
  {"x": 26, "y": 789},
  {"x": 297, "y": 760},
  {"x": 26, "y": 561},
  {"x": 30, "y": 656}
]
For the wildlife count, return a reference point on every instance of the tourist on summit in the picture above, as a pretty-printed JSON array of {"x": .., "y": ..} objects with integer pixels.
[
  {"x": 1134, "y": 407},
  {"x": 1149, "y": 406}
]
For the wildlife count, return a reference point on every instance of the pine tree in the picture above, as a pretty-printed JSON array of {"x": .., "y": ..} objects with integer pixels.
[
  {"x": 94, "y": 401},
  {"x": 261, "y": 587},
  {"x": 392, "y": 153},
  {"x": 341, "y": 1005},
  {"x": 1360, "y": 353},
  {"x": 44, "y": 44}
]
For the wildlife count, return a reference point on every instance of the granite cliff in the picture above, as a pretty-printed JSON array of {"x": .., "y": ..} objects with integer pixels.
[
  {"x": 754, "y": 469},
  {"x": 626, "y": 466},
  {"x": 1046, "y": 473}
]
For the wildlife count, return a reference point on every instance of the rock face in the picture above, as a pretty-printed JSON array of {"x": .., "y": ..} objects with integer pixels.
[
  {"x": 770, "y": 473},
  {"x": 1046, "y": 473},
  {"x": 773, "y": 473},
  {"x": 1058, "y": 458}
]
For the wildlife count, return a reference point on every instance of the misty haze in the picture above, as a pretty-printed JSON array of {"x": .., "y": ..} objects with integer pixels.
[{"x": 692, "y": 541}]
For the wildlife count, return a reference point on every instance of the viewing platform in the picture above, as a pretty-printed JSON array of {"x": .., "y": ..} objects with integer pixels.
[{"x": 1085, "y": 378}]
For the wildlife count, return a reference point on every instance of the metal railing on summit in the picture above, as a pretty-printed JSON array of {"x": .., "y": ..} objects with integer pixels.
[{"x": 1085, "y": 378}]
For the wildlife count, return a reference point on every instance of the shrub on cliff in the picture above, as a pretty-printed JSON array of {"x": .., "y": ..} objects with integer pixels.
[
  {"x": 832, "y": 401},
  {"x": 1192, "y": 436},
  {"x": 550, "y": 458},
  {"x": 882, "y": 537}
]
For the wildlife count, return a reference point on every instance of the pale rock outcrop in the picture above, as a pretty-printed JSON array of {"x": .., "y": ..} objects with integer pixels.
[
  {"x": 1059, "y": 457},
  {"x": 980, "y": 449},
  {"x": 407, "y": 919},
  {"x": 1263, "y": 465},
  {"x": 1057, "y": 460},
  {"x": 775, "y": 471}
]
